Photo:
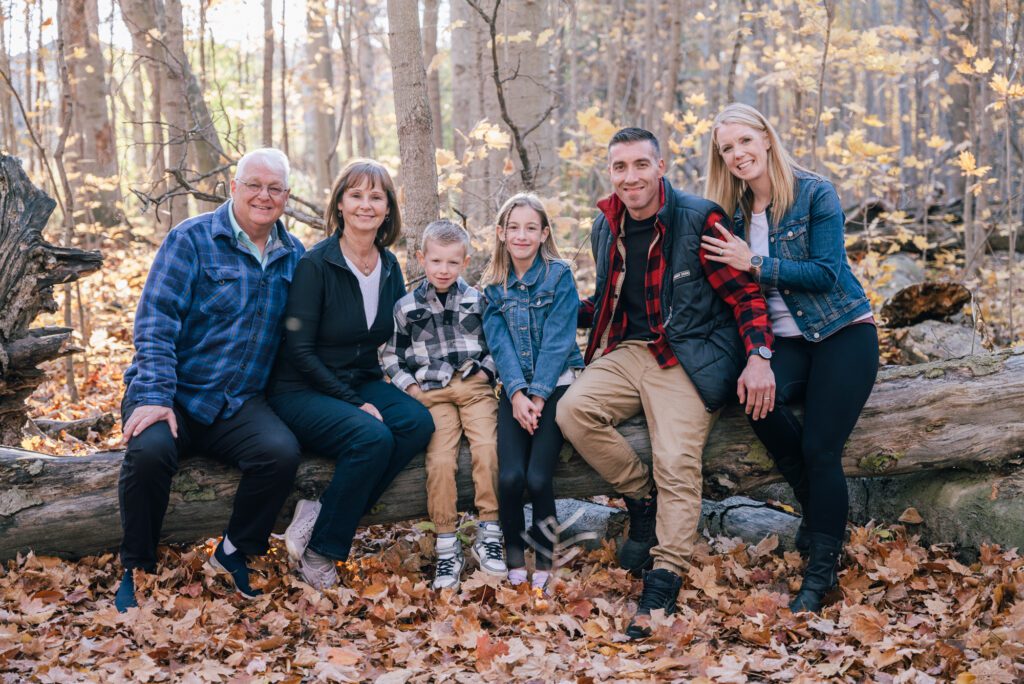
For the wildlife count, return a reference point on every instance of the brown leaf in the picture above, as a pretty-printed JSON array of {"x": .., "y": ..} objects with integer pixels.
[
  {"x": 486, "y": 650},
  {"x": 867, "y": 625},
  {"x": 911, "y": 517}
]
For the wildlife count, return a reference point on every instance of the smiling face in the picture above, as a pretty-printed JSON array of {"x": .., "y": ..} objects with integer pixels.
[
  {"x": 636, "y": 170},
  {"x": 523, "y": 234},
  {"x": 744, "y": 150},
  {"x": 363, "y": 207},
  {"x": 256, "y": 212},
  {"x": 442, "y": 264}
]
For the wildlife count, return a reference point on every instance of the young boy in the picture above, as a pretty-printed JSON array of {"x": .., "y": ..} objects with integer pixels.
[{"x": 438, "y": 355}]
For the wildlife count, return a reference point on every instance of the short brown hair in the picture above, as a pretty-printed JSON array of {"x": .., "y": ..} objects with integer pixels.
[{"x": 355, "y": 173}]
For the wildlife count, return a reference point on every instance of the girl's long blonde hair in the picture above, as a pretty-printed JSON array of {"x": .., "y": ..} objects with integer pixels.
[
  {"x": 500, "y": 265},
  {"x": 728, "y": 191}
]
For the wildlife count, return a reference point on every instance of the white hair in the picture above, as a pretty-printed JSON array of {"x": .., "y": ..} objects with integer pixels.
[{"x": 266, "y": 156}]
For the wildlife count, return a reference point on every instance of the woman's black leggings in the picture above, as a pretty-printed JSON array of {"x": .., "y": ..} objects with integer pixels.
[
  {"x": 527, "y": 462},
  {"x": 834, "y": 378}
]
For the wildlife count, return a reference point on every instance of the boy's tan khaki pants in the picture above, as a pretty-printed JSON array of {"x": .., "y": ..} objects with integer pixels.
[
  {"x": 617, "y": 386},
  {"x": 467, "y": 407}
]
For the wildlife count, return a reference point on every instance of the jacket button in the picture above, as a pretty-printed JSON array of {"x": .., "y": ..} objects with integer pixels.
[
  {"x": 771, "y": 239},
  {"x": 816, "y": 335},
  {"x": 785, "y": 292},
  {"x": 799, "y": 313},
  {"x": 220, "y": 282},
  {"x": 524, "y": 353},
  {"x": 789, "y": 234}
]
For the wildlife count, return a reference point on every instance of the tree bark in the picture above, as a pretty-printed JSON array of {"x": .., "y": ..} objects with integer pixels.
[
  {"x": 363, "y": 113},
  {"x": 418, "y": 174},
  {"x": 319, "y": 100},
  {"x": 430, "y": 12},
  {"x": 92, "y": 154},
  {"x": 268, "y": 73},
  {"x": 952, "y": 414},
  {"x": 29, "y": 268}
]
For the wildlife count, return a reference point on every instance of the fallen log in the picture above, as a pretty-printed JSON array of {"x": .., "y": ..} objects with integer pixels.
[{"x": 964, "y": 413}]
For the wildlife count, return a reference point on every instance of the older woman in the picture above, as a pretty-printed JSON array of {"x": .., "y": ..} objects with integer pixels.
[
  {"x": 328, "y": 386},
  {"x": 826, "y": 345}
]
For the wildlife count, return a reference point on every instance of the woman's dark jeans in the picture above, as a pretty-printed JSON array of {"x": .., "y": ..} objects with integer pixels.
[
  {"x": 834, "y": 378},
  {"x": 368, "y": 453}
]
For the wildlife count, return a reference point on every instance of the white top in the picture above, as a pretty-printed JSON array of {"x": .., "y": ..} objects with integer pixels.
[
  {"x": 783, "y": 323},
  {"x": 369, "y": 285}
]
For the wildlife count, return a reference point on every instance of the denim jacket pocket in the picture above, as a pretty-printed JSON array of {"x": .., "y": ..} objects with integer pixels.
[
  {"x": 220, "y": 291},
  {"x": 793, "y": 239}
]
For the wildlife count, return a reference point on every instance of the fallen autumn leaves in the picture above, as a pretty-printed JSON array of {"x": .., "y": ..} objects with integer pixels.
[{"x": 908, "y": 614}]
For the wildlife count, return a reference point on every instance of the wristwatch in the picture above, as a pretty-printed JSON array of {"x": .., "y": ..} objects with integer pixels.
[
  {"x": 755, "y": 265},
  {"x": 763, "y": 352}
]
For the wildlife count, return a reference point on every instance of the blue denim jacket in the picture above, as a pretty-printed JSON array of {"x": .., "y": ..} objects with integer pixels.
[
  {"x": 807, "y": 260},
  {"x": 530, "y": 327}
]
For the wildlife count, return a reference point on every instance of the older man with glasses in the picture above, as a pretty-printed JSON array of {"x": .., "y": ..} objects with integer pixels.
[{"x": 206, "y": 331}]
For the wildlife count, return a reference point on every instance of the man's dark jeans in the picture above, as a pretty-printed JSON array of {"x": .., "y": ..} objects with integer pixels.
[
  {"x": 368, "y": 453},
  {"x": 254, "y": 439}
]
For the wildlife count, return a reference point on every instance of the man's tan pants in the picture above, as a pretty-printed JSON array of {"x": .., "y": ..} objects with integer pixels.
[
  {"x": 464, "y": 406},
  {"x": 617, "y": 386}
]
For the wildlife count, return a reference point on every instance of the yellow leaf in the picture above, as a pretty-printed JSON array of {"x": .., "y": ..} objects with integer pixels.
[
  {"x": 544, "y": 36},
  {"x": 568, "y": 150},
  {"x": 936, "y": 142},
  {"x": 443, "y": 158},
  {"x": 696, "y": 100},
  {"x": 983, "y": 65},
  {"x": 970, "y": 50},
  {"x": 964, "y": 68},
  {"x": 826, "y": 117},
  {"x": 873, "y": 121}
]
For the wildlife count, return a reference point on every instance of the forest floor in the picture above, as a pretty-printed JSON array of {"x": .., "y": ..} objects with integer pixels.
[{"x": 906, "y": 613}]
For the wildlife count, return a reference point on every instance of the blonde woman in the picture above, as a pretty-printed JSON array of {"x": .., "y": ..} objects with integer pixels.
[
  {"x": 530, "y": 326},
  {"x": 788, "y": 233}
]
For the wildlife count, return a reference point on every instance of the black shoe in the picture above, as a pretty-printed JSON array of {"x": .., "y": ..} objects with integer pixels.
[
  {"x": 820, "y": 574},
  {"x": 125, "y": 596},
  {"x": 661, "y": 589},
  {"x": 234, "y": 564},
  {"x": 635, "y": 552}
]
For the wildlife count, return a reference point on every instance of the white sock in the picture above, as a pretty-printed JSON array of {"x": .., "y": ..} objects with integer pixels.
[
  {"x": 229, "y": 548},
  {"x": 446, "y": 542},
  {"x": 517, "y": 576}
]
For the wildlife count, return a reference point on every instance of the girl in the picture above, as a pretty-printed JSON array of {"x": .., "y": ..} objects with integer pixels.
[
  {"x": 826, "y": 345},
  {"x": 328, "y": 385},
  {"x": 530, "y": 325}
]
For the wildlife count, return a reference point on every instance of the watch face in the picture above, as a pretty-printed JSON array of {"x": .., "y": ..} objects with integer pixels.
[
  {"x": 764, "y": 352},
  {"x": 756, "y": 261}
]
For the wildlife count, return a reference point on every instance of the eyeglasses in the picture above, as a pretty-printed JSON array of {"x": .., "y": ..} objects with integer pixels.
[{"x": 275, "y": 191}]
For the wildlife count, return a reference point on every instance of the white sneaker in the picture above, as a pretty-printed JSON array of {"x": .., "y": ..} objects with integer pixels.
[
  {"x": 450, "y": 562},
  {"x": 489, "y": 549},
  {"x": 318, "y": 571},
  {"x": 539, "y": 580},
  {"x": 299, "y": 532}
]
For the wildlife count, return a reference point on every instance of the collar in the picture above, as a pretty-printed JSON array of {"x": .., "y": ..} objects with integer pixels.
[
  {"x": 426, "y": 292},
  {"x": 530, "y": 277},
  {"x": 614, "y": 210},
  {"x": 225, "y": 224}
]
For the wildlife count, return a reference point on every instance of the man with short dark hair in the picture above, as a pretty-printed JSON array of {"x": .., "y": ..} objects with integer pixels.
[
  {"x": 206, "y": 331},
  {"x": 664, "y": 341}
]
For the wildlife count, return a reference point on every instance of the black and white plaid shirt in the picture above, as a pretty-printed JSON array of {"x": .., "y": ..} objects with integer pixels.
[{"x": 433, "y": 341}]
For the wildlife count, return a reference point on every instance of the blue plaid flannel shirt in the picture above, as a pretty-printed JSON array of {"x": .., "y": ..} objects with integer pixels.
[{"x": 209, "y": 321}]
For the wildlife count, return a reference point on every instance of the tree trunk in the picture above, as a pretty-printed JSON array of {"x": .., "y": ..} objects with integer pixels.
[
  {"x": 363, "y": 25},
  {"x": 430, "y": 10},
  {"x": 319, "y": 99},
  {"x": 418, "y": 173},
  {"x": 92, "y": 155},
  {"x": 268, "y": 73},
  {"x": 29, "y": 268},
  {"x": 952, "y": 414}
]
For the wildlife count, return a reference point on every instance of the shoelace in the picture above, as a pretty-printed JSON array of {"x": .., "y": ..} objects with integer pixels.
[
  {"x": 446, "y": 565},
  {"x": 492, "y": 549}
]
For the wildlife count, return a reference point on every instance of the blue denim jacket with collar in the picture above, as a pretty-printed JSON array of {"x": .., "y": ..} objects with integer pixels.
[
  {"x": 807, "y": 260},
  {"x": 530, "y": 327}
]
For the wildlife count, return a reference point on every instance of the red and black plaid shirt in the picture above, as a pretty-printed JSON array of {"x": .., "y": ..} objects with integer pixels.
[{"x": 736, "y": 287}]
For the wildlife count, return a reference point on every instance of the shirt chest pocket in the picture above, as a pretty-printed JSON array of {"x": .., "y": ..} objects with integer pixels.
[
  {"x": 422, "y": 325},
  {"x": 540, "y": 305},
  {"x": 470, "y": 319},
  {"x": 220, "y": 291},
  {"x": 793, "y": 240}
]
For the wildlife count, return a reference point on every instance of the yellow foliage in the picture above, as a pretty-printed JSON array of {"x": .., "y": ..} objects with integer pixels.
[
  {"x": 964, "y": 68},
  {"x": 1004, "y": 89},
  {"x": 544, "y": 37},
  {"x": 597, "y": 127},
  {"x": 970, "y": 49},
  {"x": 568, "y": 150},
  {"x": 443, "y": 158},
  {"x": 873, "y": 121},
  {"x": 983, "y": 65},
  {"x": 696, "y": 100},
  {"x": 938, "y": 143},
  {"x": 969, "y": 165}
]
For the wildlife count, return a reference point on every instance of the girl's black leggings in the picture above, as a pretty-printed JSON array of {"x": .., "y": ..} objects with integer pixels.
[
  {"x": 834, "y": 378},
  {"x": 528, "y": 462}
]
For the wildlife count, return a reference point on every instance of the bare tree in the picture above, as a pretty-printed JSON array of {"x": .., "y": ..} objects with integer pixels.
[
  {"x": 430, "y": 11},
  {"x": 319, "y": 83},
  {"x": 412, "y": 109},
  {"x": 268, "y": 73},
  {"x": 93, "y": 153}
]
